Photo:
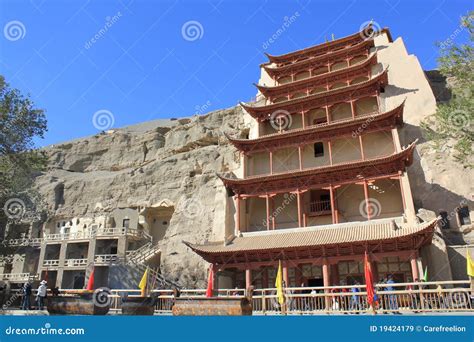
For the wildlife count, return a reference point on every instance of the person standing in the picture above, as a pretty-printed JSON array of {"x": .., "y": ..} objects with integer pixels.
[
  {"x": 42, "y": 289},
  {"x": 26, "y": 292},
  {"x": 392, "y": 298}
]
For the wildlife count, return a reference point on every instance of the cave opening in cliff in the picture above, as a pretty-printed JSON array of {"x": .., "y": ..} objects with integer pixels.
[{"x": 157, "y": 219}]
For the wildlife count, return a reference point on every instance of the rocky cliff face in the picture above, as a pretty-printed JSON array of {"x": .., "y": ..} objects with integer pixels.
[{"x": 172, "y": 160}]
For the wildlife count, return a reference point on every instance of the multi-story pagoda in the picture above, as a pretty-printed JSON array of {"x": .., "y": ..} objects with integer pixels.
[{"x": 323, "y": 173}]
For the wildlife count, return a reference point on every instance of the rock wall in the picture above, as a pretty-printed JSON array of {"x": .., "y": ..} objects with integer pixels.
[{"x": 137, "y": 166}]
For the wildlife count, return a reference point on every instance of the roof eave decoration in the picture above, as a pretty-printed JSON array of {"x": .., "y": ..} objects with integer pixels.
[
  {"x": 319, "y": 60},
  {"x": 320, "y": 132},
  {"x": 326, "y": 243},
  {"x": 361, "y": 35},
  {"x": 343, "y": 173},
  {"x": 265, "y": 90},
  {"x": 365, "y": 34}
]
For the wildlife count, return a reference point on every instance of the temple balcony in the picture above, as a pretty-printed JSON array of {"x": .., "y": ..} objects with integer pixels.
[
  {"x": 321, "y": 207},
  {"x": 318, "y": 117},
  {"x": 348, "y": 94},
  {"x": 17, "y": 277},
  {"x": 319, "y": 154},
  {"x": 355, "y": 70}
]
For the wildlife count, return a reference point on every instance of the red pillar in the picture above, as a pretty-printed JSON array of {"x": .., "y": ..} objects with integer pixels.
[
  {"x": 362, "y": 156},
  {"x": 414, "y": 267},
  {"x": 237, "y": 220},
  {"x": 244, "y": 164},
  {"x": 366, "y": 195},
  {"x": 303, "y": 121},
  {"x": 330, "y": 152},
  {"x": 271, "y": 162},
  {"x": 328, "y": 117},
  {"x": 248, "y": 278},
  {"x": 353, "y": 109},
  {"x": 267, "y": 201},
  {"x": 273, "y": 210},
  {"x": 326, "y": 283},
  {"x": 300, "y": 157},
  {"x": 401, "y": 191},
  {"x": 298, "y": 201},
  {"x": 333, "y": 204},
  {"x": 285, "y": 274}
]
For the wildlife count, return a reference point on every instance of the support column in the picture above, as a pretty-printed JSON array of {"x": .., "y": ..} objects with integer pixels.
[
  {"x": 272, "y": 200},
  {"x": 353, "y": 110},
  {"x": 248, "y": 278},
  {"x": 300, "y": 157},
  {"x": 410, "y": 211},
  {"x": 362, "y": 155},
  {"x": 396, "y": 140},
  {"x": 326, "y": 283},
  {"x": 244, "y": 165},
  {"x": 271, "y": 162},
  {"x": 237, "y": 218},
  {"x": 330, "y": 152},
  {"x": 300, "y": 214},
  {"x": 303, "y": 121},
  {"x": 333, "y": 205},
  {"x": 41, "y": 257},
  {"x": 267, "y": 202},
  {"x": 285, "y": 274},
  {"x": 328, "y": 116},
  {"x": 367, "y": 203},
  {"x": 414, "y": 268}
]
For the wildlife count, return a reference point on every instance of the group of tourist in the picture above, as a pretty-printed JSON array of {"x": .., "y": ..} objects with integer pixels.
[{"x": 41, "y": 294}]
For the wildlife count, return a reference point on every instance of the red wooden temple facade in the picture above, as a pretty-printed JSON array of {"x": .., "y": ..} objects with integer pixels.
[{"x": 323, "y": 175}]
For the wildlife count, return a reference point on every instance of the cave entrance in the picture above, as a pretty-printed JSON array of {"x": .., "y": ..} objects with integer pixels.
[{"x": 158, "y": 219}]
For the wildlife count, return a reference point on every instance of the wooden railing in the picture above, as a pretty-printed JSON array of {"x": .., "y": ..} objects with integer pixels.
[
  {"x": 319, "y": 206},
  {"x": 446, "y": 296}
]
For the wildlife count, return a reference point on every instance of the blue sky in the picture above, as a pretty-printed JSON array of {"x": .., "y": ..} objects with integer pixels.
[{"x": 145, "y": 65}]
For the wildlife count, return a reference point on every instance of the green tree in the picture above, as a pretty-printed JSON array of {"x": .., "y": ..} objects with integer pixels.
[
  {"x": 453, "y": 121},
  {"x": 20, "y": 124}
]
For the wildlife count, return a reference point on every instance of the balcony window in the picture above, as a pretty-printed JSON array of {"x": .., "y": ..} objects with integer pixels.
[
  {"x": 126, "y": 223},
  {"x": 318, "y": 149}
]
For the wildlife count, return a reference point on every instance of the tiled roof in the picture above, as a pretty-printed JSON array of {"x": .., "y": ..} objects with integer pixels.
[{"x": 316, "y": 236}]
